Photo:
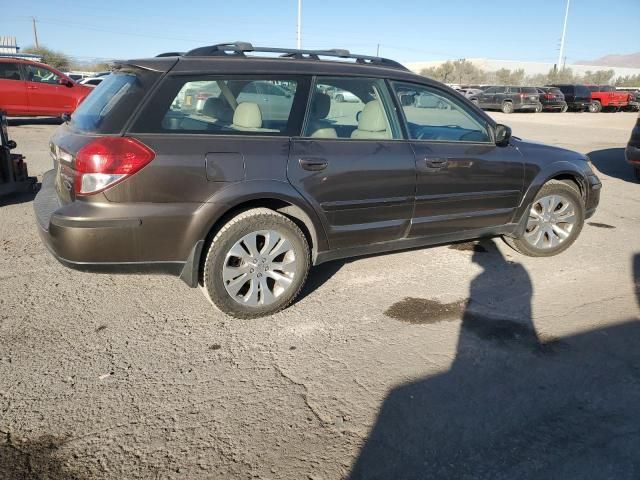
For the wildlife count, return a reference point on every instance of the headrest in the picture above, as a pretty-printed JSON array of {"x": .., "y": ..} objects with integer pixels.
[
  {"x": 325, "y": 133},
  {"x": 217, "y": 108},
  {"x": 372, "y": 118},
  {"x": 320, "y": 106},
  {"x": 247, "y": 115}
]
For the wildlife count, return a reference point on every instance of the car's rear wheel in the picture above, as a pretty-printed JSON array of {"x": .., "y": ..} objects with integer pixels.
[
  {"x": 538, "y": 107},
  {"x": 564, "y": 109},
  {"x": 257, "y": 264},
  {"x": 474, "y": 101},
  {"x": 507, "y": 107},
  {"x": 595, "y": 107},
  {"x": 555, "y": 220}
]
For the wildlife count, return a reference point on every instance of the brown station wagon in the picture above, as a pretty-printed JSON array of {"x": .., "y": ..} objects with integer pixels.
[{"x": 237, "y": 172}]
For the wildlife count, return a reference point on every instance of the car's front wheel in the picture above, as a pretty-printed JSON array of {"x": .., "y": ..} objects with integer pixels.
[
  {"x": 257, "y": 264},
  {"x": 538, "y": 107},
  {"x": 555, "y": 220},
  {"x": 564, "y": 109},
  {"x": 595, "y": 107}
]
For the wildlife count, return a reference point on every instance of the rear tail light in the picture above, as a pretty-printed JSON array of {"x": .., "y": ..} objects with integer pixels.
[{"x": 106, "y": 161}]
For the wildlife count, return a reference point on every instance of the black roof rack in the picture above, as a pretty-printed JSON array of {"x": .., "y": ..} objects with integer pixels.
[
  {"x": 170, "y": 54},
  {"x": 239, "y": 49}
]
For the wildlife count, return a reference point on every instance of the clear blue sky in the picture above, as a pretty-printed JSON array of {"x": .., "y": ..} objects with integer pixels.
[{"x": 407, "y": 30}]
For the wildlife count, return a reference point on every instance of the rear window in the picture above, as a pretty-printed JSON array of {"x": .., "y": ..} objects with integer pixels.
[
  {"x": 582, "y": 91},
  {"x": 529, "y": 90},
  {"x": 108, "y": 107},
  {"x": 554, "y": 90}
]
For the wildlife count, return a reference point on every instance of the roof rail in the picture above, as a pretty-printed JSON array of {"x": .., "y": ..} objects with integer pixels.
[
  {"x": 170, "y": 54},
  {"x": 239, "y": 49}
]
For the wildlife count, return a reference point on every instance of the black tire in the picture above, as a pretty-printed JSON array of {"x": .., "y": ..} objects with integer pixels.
[
  {"x": 507, "y": 107},
  {"x": 474, "y": 101},
  {"x": 564, "y": 109},
  {"x": 553, "y": 187},
  {"x": 637, "y": 172},
  {"x": 243, "y": 224},
  {"x": 538, "y": 108},
  {"x": 595, "y": 107}
]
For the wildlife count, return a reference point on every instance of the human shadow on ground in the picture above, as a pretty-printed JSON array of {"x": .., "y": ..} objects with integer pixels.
[
  {"x": 39, "y": 459},
  {"x": 612, "y": 162},
  {"x": 514, "y": 404}
]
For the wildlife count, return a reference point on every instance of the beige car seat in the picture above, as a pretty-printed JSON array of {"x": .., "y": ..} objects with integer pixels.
[{"x": 372, "y": 123}]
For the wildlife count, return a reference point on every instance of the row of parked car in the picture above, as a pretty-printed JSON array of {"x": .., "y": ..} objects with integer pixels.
[{"x": 560, "y": 97}]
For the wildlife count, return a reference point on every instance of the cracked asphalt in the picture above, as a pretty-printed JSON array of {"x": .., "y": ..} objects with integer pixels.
[{"x": 464, "y": 362}]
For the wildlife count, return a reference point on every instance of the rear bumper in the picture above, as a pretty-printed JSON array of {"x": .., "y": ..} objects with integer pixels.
[
  {"x": 112, "y": 239},
  {"x": 526, "y": 106},
  {"x": 554, "y": 105}
]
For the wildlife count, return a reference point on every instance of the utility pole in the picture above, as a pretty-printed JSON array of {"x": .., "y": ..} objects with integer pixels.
[
  {"x": 299, "y": 29},
  {"x": 564, "y": 32},
  {"x": 378, "y": 51},
  {"x": 35, "y": 32}
]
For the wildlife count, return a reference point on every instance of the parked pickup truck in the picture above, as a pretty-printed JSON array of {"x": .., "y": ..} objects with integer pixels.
[{"x": 606, "y": 96}]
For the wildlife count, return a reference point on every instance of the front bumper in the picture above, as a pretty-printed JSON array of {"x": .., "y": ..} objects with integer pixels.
[
  {"x": 111, "y": 237},
  {"x": 592, "y": 195},
  {"x": 632, "y": 154}
]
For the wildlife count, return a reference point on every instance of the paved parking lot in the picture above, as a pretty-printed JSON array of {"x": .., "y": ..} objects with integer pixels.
[{"x": 457, "y": 362}]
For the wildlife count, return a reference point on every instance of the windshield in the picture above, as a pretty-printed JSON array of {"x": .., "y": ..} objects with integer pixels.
[{"x": 107, "y": 108}]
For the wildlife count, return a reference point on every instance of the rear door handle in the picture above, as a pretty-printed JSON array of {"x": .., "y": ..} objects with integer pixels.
[
  {"x": 436, "y": 162},
  {"x": 313, "y": 164}
]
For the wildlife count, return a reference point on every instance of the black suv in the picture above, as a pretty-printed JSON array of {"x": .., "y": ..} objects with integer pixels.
[
  {"x": 509, "y": 99},
  {"x": 552, "y": 98},
  {"x": 578, "y": 97},
  {"x": 270, "y": 175}
]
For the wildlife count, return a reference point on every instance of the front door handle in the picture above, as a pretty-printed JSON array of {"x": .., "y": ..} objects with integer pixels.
[
  {"x": 436, "y": 162},
  {"x": 313, "y": 164}
]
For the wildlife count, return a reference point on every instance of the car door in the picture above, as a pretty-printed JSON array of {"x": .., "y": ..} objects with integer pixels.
[
  {"x": 13, "y": 89},
  {"x": 46, "y": 95},
  {"x": 464, "y": 181},
  {"x": 352, "y": 166},
  {"x": 499, "y": 96},
  {"x": 485, "y": 99}
]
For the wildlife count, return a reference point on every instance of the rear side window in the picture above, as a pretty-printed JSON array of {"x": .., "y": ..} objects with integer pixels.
[
  {"x": 582, "y": 91},
  {"x": 233, "y": 105},
  {"x": 529, "y": 90},
  {"x": 9, "y": 71},
  {"x": 108, "y": 107}
]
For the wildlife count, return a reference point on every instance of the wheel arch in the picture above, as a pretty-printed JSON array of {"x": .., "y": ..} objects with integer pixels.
[
  {"x": 277, "y": 196},
  {"x": 564, "y": 173}
]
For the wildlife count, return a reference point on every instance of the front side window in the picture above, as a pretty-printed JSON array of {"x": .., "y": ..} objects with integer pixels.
[
  {"x": 436, "y": 116},
  {"x": 9, "y": 71},
  {"x": 346, "y": 107},
  {"x": 491, "y": 90},
  {"x": 239, "y": 105},
  {"x": 41, "y": 75}
]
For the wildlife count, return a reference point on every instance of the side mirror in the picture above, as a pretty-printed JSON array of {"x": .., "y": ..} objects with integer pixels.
[
  {"x": 11, "y": 144},
  {"x": 502, "y": 135},
  {"x": 66, "y": 82}
]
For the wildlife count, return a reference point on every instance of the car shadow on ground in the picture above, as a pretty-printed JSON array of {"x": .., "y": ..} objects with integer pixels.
[
  {"x": 20, "y": 121},
  {"x": 611, "y": 162},
  {"x": 514, "y": 403},
  {"x": 37, "y": 459}
]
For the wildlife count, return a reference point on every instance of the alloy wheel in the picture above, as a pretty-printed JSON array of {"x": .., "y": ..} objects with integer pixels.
[
  {"x": 551, "y": 221},
  {"x": 259, "y": 268}
]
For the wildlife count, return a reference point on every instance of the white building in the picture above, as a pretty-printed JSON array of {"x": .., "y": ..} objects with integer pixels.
[
  {"x": 9, "y": 48},
  {"x": 530, "y": 68}
]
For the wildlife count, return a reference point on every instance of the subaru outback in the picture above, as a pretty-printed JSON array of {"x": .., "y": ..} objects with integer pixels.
[{"x": 269, "y": 175}]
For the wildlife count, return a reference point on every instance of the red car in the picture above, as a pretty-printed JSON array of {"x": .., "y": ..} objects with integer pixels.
[{"x": 34, "y": 89}]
